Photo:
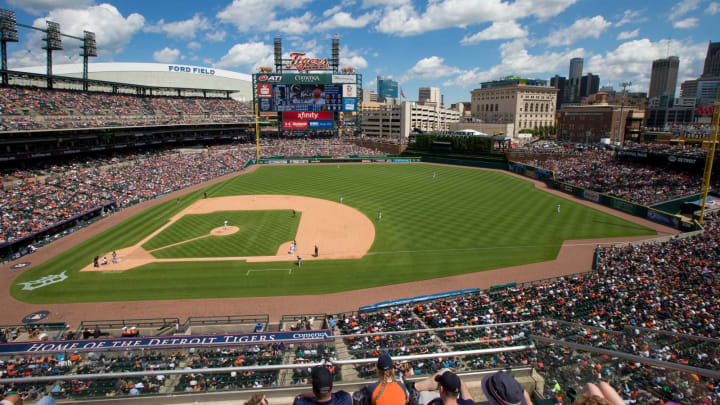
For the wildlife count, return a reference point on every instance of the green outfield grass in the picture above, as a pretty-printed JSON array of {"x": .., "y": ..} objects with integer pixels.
[
  {"x": 261, "y": 234},
  {"x": 463, "y": 221}
]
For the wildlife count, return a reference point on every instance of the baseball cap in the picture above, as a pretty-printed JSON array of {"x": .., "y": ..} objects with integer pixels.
[
  {"x": 384, "y": 362},
  {"x": 322, "y": 380},
  {"x": 450, "y": 381},
  {"x": 502, "y": 389}
]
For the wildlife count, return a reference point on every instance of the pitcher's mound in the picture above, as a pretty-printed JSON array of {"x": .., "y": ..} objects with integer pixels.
[{"x": 221, "y": 231}]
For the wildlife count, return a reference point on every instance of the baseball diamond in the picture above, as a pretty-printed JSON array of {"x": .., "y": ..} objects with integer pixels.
[{"x": 463, "y": 221}]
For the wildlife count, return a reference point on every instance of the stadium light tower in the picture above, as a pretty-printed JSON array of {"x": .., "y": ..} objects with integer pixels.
[
  {"x": 89, "y": 49},
  {"x": 8, "y": 33},
  {"x": 53, "y": 42}
]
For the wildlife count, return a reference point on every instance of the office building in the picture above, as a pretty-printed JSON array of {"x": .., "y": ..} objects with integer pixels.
[
  {"x": 526, "y": 103},
  {"x": 386, "y": 88},
  {"x": 399, "y": 120},
  {"x": 574, "y": 78},
  {"x": 593, "y": 122},
  {"x": 663, "y": 79},
  {"x": 370, "y": 96},
  {"x": 429, "y": 96},
  {"x": 589, "y": 84},
  {"x": 712, "y": 61},
  {"x": 563, "y": 95}
]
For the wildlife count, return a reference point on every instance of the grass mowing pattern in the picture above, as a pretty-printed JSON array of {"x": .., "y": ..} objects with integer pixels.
[
  {"x": 261, "y": 234},
  {"x": 463, "y": 221}
]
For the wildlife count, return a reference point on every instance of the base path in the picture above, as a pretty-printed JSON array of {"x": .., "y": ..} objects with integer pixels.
[
  {"x": 574, "y": 257},
  {"x": 338, "y": 230}
]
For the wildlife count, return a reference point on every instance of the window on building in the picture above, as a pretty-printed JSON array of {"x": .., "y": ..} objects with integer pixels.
[
  {"x": 496, "y": 107},
  {"x": 526, "y": 107}
]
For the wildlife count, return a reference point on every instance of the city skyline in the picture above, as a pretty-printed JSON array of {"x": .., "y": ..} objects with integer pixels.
[{"x": 450, "y": 44}]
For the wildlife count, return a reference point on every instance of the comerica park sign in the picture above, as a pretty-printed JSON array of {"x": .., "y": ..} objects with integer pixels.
[{"x": 303, "y": 64}]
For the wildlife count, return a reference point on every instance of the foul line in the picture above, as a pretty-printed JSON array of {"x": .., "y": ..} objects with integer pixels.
[
  {"x": 251, "y": 270},
  {"x": 396, "y": 252}
]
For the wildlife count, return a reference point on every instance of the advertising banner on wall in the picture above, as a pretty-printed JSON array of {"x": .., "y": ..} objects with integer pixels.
[
  {"x": 307, "y": 115},
  {"x": 264, "y": 90},
  {"x": 320, "y": 124},
  {"x": 349, "y": 90},
  {"x": 295, "y": 124}
]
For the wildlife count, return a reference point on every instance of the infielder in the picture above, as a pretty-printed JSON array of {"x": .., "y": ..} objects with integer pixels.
[
  {"x": 379, "y": 215},
  {"x": 225, "y": 225},
  {"x": 341, "y": 200}
]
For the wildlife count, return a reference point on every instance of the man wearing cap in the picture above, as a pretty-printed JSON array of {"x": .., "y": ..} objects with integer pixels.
[
  {"x": 503, "y": 389},
  {"x": 386, "y": 391},
  {"x": 322, "y": 382},
  {"x": 451, "y": 390}
]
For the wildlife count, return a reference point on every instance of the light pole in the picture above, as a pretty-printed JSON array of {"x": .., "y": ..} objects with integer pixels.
[{"x": 622, "y": 105}]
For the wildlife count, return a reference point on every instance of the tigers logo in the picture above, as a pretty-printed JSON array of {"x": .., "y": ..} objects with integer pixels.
[
  {"x": 303, "y": 64},
  {"x": 44, "y": 281}
]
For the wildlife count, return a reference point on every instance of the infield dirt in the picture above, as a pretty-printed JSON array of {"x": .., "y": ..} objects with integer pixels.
[{"x": 338, "y": 230}]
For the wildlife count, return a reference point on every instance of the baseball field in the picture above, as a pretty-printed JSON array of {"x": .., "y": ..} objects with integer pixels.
[{"x": 436, "y": 221}]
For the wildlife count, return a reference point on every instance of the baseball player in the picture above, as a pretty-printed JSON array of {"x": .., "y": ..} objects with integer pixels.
[
  {"x": 379, "y": 215},
  {"x": 225, "y": 225},
  {"x": 558, "y": 208},
  {"x": 434, "y": 174},
  {"x": 341, "y": 200}
]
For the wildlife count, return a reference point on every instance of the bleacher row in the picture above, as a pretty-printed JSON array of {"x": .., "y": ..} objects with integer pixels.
[
  {"x": 657, "y": 301},
  {"x": 24, "y": 108}
]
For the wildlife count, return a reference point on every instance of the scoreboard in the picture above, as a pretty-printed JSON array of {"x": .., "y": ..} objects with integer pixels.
[{"x": 299, "y": 92}]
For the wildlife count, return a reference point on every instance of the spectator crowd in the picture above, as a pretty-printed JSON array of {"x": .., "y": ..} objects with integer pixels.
[
  {"x": 599, "y": 171},
  {"x": 28, "y": 109}
]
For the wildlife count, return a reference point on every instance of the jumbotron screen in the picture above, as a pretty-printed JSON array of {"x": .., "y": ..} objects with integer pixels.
[{"x": 306, "y": 92}]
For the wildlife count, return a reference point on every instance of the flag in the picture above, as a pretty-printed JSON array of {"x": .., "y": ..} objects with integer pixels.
[{"x": 402, "y": 94}]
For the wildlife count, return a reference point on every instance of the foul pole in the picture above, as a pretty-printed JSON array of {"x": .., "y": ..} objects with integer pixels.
[
  {"x": 707, "y": 175},
  {"x": 257, "y": 135}
]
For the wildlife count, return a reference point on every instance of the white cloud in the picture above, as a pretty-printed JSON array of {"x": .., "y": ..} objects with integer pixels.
[
  {"x": 249, "y": 54},
  {"x": 113, "y": 32},
  {"x": 582, "y": 28},
  {"x": 384, "y": 3},
  {"x": 404, "y": 20},
  {"x": 352, "y": 59},
  {"x": 632, "y": 60},
  {"x": 498, "y": 30},
  {"x": 194, "y": 45},
  {"x": 345, "y": 20},
  {"x": 166, "y": 55},
  {"x": 216, "y": 36},
  {"x": 515, "y": 59},
  {"x": 331, "y": 11},
  {"x": 185, "y": 29},
  {"x": 713, "y": 8},
  {"x": 258, "y": 15},
  {"x": 628, "y": 34},
  {"x": 631, "y": 17},
  {"x": 682, "y": 8},
  {"x": 292, "y": 25},
  {"x": 430, "y": 68},
  {"x": 38, "y": 6},
  {"x": 690, "y": 22}
]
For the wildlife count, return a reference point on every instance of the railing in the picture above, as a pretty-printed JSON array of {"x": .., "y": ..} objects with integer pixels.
[{"x": 138, "y": 323}]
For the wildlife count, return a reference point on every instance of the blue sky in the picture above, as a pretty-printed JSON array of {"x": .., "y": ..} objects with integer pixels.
[{"x": 451, "y": 44}]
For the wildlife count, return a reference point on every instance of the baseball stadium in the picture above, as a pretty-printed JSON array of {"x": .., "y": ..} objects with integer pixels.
[{"x": 237, "y": 238}]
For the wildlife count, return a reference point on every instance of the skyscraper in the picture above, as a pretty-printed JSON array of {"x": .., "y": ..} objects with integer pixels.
[
  {"x": 560, "y": 83},
  {"x": 663, "y": 78},
  {"x": 589, "y": 84},
  {"x": 574, "y": 77},
  {"x": 712, "y": 60}
]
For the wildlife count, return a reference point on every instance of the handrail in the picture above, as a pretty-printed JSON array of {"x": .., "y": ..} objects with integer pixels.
[
  {"x": 256, "y": 368},
  {"x": 673, "y": 334},
  {"x": 631, "y": 357},
  {"x": 410, "y": 331}
]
